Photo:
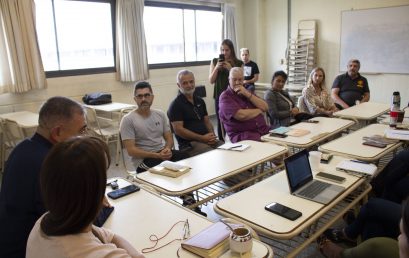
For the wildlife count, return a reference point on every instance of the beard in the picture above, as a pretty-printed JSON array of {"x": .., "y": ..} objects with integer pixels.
[{"x": 187, "y": 92}]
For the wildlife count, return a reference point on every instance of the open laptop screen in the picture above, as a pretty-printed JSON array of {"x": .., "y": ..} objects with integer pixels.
[{"x": 298, "y": 170}]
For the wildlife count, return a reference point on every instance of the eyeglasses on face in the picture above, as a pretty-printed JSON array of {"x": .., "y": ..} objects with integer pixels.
[{"x": 146, "y": 95}]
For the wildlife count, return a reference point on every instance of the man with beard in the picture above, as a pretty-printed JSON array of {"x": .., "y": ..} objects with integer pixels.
[
  {"x": 190, "y": 121},
  {"x": 146, "y": 133},
  {"x": 350, "y": 87}
]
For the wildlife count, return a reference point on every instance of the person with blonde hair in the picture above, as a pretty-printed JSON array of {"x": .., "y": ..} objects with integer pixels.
[{"x": 316, "y": 97}]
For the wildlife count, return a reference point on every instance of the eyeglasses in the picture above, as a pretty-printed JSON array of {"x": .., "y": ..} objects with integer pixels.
[{"x": 146, "y": 95}]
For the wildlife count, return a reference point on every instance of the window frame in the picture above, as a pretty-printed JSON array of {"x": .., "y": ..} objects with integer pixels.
[
  {"x": 180, "y": 6},
  {"x": 87, "y": 71}
]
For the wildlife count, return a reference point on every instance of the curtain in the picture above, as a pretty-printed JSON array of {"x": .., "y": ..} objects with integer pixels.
[
  {"x": 21, "y": 67},
  {"x": 229, "y": 23},
  {"x": 132, "y": 58}
]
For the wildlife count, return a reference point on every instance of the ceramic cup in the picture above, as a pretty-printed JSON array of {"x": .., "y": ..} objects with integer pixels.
[
  {"x": 241, "y": 240},
  {"x": 315, "y": 159}
]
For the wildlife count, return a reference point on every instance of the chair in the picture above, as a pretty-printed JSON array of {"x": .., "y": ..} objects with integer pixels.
[
  {"x": 106, "y": 129},
  {"x": 11, "y": 135},
  {"x": 301, "y": 105}
]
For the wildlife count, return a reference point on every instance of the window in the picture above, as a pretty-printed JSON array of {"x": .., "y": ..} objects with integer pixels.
[
  {"x": 180, "y": 34},
  {"x": 76, "y": 37}
]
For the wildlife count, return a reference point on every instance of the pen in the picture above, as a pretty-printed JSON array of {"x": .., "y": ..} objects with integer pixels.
[
  {"x": 359, "y": 161},
  {"x": 233, "y": 147}
]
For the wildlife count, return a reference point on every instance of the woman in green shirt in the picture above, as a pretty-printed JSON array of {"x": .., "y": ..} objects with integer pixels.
[{"x": 219, "y": 74}]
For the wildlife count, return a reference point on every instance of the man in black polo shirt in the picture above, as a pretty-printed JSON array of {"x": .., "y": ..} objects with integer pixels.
[
  {"x": 188, "y": 116},
  {"x": 350, "y": 87}
]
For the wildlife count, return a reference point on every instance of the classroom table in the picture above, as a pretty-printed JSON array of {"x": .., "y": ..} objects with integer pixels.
[
  {"x": 351, "y": 145},
  {"x": 366, "y": 111},
  {"x": 324, "y": 129},
  {"x": 25, "y": 119},
  {"x": 248, "y": 205},
  {"x": 138, "y": 215},
  {"x": 212, "y": 166},
  {"x": 111, "y": 107}
]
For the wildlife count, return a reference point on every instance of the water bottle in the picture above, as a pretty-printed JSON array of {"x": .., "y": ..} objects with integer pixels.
[
  {"x": 395, "y": 103},
  {"x": 395, "y": 107}
]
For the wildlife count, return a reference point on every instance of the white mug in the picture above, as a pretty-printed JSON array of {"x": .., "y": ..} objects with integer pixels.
[
  {"x": 241, "y": 240},
  {"x": 315, "y": 159}
]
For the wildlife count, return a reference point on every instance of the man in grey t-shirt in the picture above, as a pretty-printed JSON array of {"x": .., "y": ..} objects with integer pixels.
[{"x": 146, "y": 133}]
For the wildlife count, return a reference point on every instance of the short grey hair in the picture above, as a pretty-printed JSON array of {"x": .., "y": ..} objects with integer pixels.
[
  {"x": 236, "y": 69},
  {"x": 183, "y": 73}
]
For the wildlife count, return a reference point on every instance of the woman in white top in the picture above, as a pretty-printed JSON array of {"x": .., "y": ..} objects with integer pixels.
[
  {"x": 316, "y": 97},
  {"x": 72, "y": 181}
]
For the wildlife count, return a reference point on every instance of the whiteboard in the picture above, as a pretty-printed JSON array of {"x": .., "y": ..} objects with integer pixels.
[{"x": 379, "y": 38}]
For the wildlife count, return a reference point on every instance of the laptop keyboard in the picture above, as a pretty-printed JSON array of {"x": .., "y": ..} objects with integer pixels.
[{"x": 314, "y": 189}]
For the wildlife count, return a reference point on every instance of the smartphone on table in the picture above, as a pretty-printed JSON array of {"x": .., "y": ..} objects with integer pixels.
[
  {"x": 283, "y": 211},
  {"x": 123, "y": 191}
]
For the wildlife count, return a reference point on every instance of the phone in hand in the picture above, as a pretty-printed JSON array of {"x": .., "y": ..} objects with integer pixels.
[
  {"x": 330, "y": 177},
  {"x": 221, "y": 58},
  {"x": 123, "y": 191},
  {"x": 103, "y": 216},
  {"x": 374, "y": 144},
  {"x": 283, "y": 211}
]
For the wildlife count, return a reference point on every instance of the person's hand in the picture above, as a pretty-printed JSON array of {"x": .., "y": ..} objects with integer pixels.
[
  {"x": 295, "y": 111},
  {"x": 227, "y": 65},
  {"x": 240, "y": 90},
  {"x": 220, "y": 65},
  {"x": 209, "y": 138},
  {"x": 165, "y": 153},
  {"x": 105, "y": 202}
]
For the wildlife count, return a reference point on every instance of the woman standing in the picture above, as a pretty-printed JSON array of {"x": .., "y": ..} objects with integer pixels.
[
  {"x": 316, "y": 96},
  {"x": 219, "y": 74},
  {"x": 281, "y": 107}
]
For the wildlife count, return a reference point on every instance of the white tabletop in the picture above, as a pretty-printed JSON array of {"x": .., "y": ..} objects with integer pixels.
[
  {"x": 211, "y": 167},
  {"x": 143, "y": 213},
  {"x": 25, "y": 119},
  {"x": 325, "y": 128},
  {"x": 351, "y": 145},
  {"x": 111, "y": 107},
  {"x": 365, "y": 111},
  {"x": 248, "y": 204}
]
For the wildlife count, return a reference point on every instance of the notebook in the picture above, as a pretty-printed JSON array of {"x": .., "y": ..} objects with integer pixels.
[
  {"x": 302, "y": 184},
  {"x": 357, "y": 167}
]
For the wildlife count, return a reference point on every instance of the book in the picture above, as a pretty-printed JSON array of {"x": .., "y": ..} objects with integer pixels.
[
  {"x": 234, "y": 146},
  {"x": 397, "y": 134},
  {"x": 212, "y": 241},
  {"x": 280, "y": 130},
  {"x": 170, "y": 169},
  {"x": 379, "y": 139},
  {"x": 358, "y": 167}
]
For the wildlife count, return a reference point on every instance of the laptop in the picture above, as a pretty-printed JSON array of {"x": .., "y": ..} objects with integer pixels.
[{"x": 303, "y": 185}]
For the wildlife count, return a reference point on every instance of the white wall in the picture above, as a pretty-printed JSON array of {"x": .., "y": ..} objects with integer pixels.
[
  {"x": 328, "y": 15},
  {"x": 262, "y": 26}
]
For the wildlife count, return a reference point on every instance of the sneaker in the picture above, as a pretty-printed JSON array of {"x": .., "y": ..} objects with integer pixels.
[{"x": 337, "y": 235}]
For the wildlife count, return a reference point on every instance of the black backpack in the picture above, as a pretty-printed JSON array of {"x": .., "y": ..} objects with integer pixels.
[{"x": 97, "y": 98}]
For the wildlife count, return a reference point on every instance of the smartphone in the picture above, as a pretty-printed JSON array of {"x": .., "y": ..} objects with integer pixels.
[
  {"x": 103, "y": 216},
  {"x": 221, "y": 58},
  {"x": 123, "y": 191},
  {"x": 330, "y": 177},
  {"x": 283, "y": 211},
  {"x": 325, "y": 158},
  {"x": 375, "y": 144},
  {"x": 279, "y": 135},
  {"x": 311, "y": 121}
]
